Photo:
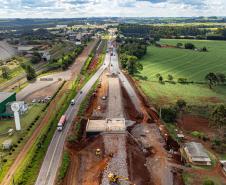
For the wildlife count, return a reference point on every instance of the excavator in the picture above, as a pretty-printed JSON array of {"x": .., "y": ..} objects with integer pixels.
[
  {"x": 115, "y": 179},
  {"x": 98, "y": 152}
]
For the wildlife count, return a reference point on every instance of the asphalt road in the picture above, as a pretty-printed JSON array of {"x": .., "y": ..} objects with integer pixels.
[
  {"x": 114, "y": 68},
  {"x": 51, "y": 163}
]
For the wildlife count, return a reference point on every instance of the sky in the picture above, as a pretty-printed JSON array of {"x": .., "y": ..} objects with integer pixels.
[{"x": 109, "y": 8}]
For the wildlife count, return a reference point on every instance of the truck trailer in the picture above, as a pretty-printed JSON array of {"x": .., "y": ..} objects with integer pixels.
[{"x": 61, "y": 123}]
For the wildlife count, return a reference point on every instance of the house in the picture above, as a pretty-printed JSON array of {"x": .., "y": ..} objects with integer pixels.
[
  {"x": 196, "y": 154},
  {"x": 223, "y": 164}
]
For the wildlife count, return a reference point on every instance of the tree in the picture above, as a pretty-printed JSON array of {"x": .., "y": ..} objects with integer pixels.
[
  {"x": 161, "y": 79},
  {"x": 36, "y": 58},
  {"x": 179, "y": 45},
  {"x": 181, "y": 104},
  {"x": 170, "y": 77},
  {"x": 123, "y": 60},
  {"x": 189, "y": 46},
  {"x": 204, "y": 49},
  {"x": 218, "y": 116},
  {"x": 169, "y": 114},
  {"x": 5, "y": 72},
  {"x": 31, "y": 74},
  {"x": 212, "y": 79},
  {"x": 133, "y": 66}
]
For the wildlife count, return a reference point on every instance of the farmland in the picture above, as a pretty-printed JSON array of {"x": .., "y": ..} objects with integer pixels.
[{"x": 180, "y": 63}]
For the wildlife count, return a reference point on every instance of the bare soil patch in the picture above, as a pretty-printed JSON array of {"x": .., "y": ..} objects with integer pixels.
[
  {"x": 86, "y": 167},
  {"x": 192, "y": 123}
]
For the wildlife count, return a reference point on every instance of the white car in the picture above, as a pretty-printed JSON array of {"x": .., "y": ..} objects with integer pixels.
[{"x": 72, "y": 102}]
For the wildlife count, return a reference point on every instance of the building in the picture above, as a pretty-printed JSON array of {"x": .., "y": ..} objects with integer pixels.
[
  {"x": 46, "y": 56},
  {"x": 95, "y": 127},
  {"x": 196, "y": 154},
  {"x": 223, "y": 164},
  {"x": 7, "y": 144},
  {"x": 6, "y": 97}
]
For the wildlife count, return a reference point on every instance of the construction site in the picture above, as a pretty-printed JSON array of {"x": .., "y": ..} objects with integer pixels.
[{"x": 120, "y": 144}]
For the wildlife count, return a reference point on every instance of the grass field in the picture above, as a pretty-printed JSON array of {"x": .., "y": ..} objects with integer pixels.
[
  {"x": 26, "y": 120},
  {"x": 181, "y": 63},
  {"x": 189, "y": 64}
]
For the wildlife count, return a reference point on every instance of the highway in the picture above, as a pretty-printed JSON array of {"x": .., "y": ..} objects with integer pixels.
[
  {"x": 114, "y": 68},
  {"x": 51, "y": 163}
]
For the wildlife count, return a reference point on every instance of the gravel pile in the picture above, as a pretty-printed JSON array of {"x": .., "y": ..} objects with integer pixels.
[{"x": 115, "y": 144}]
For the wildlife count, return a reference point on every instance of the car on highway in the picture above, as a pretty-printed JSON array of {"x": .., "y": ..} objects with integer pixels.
[{"x": 72, "y": 102}]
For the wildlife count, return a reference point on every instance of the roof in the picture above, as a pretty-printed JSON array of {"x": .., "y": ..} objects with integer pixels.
[
  {"x": 5, "y": 95},
  {"x": 115, "y": 124},
  {"x": 7, "y": 142},
  {"x": 197, "y": 151}
]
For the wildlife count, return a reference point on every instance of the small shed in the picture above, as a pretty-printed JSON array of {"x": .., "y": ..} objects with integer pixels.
[
  {"x": 7, "y": 144},
  {"x": 223, "y": 164},
  {"x": 196, "y": 154}
]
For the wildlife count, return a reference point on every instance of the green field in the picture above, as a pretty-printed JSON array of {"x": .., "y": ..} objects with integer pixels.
[{"x": 181, "y": 63}]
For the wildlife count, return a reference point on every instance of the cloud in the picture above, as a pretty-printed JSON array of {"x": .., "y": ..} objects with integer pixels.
[{"x": 87, "y": 8}]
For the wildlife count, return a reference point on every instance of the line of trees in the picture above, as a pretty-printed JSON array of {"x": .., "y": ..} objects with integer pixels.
[
  {"x": 130, "y": 50},
  {"x": 188, "y": 32}
]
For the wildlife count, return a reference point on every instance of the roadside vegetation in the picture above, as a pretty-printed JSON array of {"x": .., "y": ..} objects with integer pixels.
[
  {"x": 130, "y": 50},
  {"x": 64, "y": 167}
]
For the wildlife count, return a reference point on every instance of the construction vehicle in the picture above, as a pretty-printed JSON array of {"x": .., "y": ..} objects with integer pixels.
[
  {"x": 98, "y": 152},
  {"x": 115, "y": 179}
]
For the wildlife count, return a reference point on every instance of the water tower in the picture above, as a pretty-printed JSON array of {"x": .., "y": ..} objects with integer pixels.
[{"x": 15, "y": 108}]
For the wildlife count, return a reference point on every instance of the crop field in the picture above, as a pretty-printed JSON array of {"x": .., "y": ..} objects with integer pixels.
[{"x": 181, "y": 63}]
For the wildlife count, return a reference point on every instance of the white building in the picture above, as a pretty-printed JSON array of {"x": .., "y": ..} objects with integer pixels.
[
  {"x": 197, "y": 154},
  {"x": 7, "y": 144}
]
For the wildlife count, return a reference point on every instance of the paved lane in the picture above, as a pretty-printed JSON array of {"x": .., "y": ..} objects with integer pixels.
[{"x": 51, "y": 163}]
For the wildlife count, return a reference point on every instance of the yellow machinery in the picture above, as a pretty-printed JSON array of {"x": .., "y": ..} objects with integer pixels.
[
  {"x": 98, "y": 152},
  {"x": 114, "y": 179}
]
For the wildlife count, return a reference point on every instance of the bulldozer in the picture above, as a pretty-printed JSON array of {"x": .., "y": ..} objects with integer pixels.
[{"x": 115, "y": 179}]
